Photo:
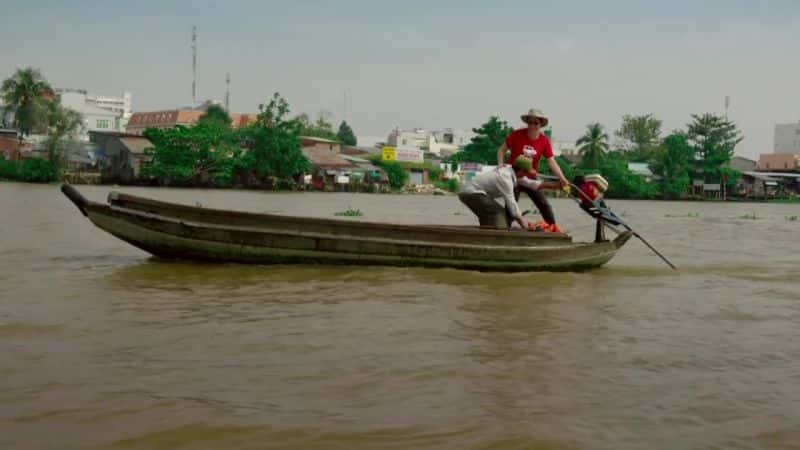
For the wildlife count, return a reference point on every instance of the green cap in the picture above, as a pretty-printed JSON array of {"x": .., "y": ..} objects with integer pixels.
[{"x": 523, "y": 164}]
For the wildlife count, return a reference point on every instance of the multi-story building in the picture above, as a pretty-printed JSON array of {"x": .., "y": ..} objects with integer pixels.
[
  {"x": 120, "y": 105},
  {"x": 100, "y": 113},
  {"x": 787, "y": 138},
  {"x": 94, "y": 118},
  {"x": 441, "y": 142}
]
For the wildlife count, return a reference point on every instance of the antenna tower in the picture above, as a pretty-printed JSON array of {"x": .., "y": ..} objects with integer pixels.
[
  {"x": 228, "y": 92},
  {"x": 194, "y": 66}
]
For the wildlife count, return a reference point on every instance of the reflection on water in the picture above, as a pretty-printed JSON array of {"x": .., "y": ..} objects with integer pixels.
[{"x": 105, "y": 347}]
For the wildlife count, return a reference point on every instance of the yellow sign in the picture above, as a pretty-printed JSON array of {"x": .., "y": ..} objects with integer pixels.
[{"x": 389, "y": 154}]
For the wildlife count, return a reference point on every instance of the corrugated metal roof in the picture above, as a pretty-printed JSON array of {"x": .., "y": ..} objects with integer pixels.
[
  {"x": 136, "y": 145},
  {"x": 326, "y": 159},
  {"x": 771, "y": 175}
]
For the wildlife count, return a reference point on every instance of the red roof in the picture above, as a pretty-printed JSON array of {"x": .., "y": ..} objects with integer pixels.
[{"x": 171, "y": 118}]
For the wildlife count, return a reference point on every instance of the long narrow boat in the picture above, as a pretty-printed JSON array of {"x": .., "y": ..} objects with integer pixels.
[{"x": 174, "y": 231}]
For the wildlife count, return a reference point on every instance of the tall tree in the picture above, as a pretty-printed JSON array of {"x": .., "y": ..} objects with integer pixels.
[
  {"x": 641, "y": 135},
  {"x": 320, "y": 128},
  {"x": 62, "y": 124},
  {"x": 673, "y": 160},
  {"x": 713, "y": 139},
  {"x": 24, "y": 97},
  {"x": 593, "y": 146},
  {"x": 203, "y": 153},
  {"x": 275, "y": 139},
  {"x": 483, "y": 146},
  {"x": 346, "y": 134},
  {"x": 216, "y": 115}
]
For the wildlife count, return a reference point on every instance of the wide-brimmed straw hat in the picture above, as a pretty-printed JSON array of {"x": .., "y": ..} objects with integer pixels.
[{"x": 534, "y": 113}]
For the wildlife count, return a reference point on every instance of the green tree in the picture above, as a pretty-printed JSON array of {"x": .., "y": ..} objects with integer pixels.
[
  {"x": 673, "y": 159},
  {"x": 483, "y": 146},
  {"x": 713, "y": 139},
  {"x": 23, "y": 95},
  {"x": 346, "y": 134},
  {"x": 204, "y": 153},
  {"x": 641, "y": 135},
  {"x": 61, "y": 125},
  {"x": 216, "y": 115},
  {"x": 622, "y": 183},
  {"x": 275, "y": 142},
  {"x": 593, "y": 146},
  {"x": 320, "y": 128},
  {"x": 395, "y": 171}
]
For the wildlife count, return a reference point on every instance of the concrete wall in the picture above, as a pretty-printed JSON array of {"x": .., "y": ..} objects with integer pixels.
[{"x": 779, "y": 163}]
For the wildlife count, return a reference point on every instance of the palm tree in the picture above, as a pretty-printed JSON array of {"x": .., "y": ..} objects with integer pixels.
[
  {"x": 23, "y": 96},
  {"x": 593, "y": 145}
]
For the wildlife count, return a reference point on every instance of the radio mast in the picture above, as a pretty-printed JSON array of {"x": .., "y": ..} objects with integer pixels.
[
  {"x": 228, "y": 92},
  {"x": 194, "y": 66}
]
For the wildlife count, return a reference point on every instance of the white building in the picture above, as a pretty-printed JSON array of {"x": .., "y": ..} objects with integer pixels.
[
  {"x": 441, "y": 142},
  {"x": 100, "y": 113},
  {"x": 787, "y": 138}
]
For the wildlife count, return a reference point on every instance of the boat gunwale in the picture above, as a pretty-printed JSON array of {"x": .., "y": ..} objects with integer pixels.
[
  {"x": 308, "y": 256},
  {"x": 512, "y": 249},
  {"x": 116, "y": 198}
]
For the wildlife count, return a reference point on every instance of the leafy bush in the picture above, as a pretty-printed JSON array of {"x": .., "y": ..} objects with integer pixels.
[
  {"x": 447, "y": 185},
  {"x": 38, "y": 171},
  {"x": 398, "y": 177},
  {"x": 9, "y": 169}
]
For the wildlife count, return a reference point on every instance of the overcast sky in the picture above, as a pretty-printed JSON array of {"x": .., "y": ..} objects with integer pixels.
[{"x": 430, "y": 63}]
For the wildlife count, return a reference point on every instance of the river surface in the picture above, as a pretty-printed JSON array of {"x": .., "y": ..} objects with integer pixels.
[{"x": 103, "y": 347}]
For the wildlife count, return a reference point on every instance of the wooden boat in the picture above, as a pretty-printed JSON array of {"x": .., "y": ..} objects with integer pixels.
[{"x": 174, "y": 231}]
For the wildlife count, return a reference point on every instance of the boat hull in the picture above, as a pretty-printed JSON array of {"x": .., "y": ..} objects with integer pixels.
[{"x": 178, "y": 238}]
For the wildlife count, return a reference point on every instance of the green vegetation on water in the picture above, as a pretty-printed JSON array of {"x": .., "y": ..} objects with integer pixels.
[
  {"x": 349, "y": 213},
  {"x": 691, "y": 215}
]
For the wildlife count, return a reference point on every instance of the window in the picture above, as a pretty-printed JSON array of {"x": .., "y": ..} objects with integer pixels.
[{"x": 102, "y": 124}]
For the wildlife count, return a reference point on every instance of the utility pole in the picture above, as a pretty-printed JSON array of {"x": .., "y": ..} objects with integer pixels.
[
  {"x": 194, "y": 66},
  {"x": 727, "y": 105},
  {"x": 344, "y": 115},
  {"x": 228, "y": 92}
]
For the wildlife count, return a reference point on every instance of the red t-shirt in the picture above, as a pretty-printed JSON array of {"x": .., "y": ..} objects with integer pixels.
[{"x": 520, "y": 144}]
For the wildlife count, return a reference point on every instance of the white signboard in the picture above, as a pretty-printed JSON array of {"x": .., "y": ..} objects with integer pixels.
[{"x": 415, "y": 156}]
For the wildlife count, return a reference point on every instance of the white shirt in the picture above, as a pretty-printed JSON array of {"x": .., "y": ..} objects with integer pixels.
[{"x": 496, "y": 184}]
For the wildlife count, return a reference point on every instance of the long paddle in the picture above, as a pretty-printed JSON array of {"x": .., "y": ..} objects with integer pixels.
[{"x": 607, "y": 215}]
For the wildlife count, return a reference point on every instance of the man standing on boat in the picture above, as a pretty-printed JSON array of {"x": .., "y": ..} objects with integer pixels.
[
  {"x": 480, "y": 194},
  {"x": 534, "y": 144}
]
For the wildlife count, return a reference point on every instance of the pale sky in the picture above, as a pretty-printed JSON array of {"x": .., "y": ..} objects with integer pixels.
[{"x": 430, "y": 63}]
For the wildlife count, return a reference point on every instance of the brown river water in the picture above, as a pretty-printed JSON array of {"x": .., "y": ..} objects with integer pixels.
[{"x": 103, "y": 347}]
